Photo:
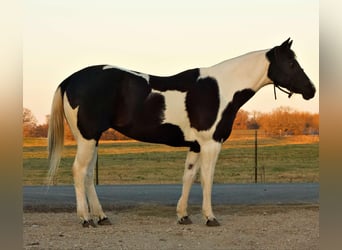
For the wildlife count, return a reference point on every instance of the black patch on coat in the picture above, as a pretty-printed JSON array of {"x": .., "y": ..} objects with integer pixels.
[
  {"x": 195, "y": 147},
  {"x": 152, "y": 110},
  {"x": 181, "y": 82},
  {"x": 224, "y": 127},
  {"x": 168, "y": 134},
  {"x": 202, "y": 103},
  {"x": 113, "y": 98},
  {"x": 106, "y": 98}
]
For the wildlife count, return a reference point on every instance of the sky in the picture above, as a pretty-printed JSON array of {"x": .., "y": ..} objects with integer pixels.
[{"x": 162, "y": 38}]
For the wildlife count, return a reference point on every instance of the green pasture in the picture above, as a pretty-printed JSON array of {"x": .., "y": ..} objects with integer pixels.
[{"x": 279, "y": 160}]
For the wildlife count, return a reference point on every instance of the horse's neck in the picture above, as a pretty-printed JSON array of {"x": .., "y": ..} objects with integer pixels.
[{"x": 248, "y": 71}]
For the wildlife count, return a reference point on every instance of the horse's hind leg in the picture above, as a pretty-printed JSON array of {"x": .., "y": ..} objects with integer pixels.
[
  {"x": 94, "y": 203},
  {"x": 83, "y": 159},
  {"x": 83, "y": 169}
]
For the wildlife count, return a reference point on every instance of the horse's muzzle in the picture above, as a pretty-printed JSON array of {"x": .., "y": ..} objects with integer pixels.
[{"x": 307, "y": 95}]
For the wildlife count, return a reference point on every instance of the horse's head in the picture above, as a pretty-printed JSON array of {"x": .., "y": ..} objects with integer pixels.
[{"x": 285, "y": 71}]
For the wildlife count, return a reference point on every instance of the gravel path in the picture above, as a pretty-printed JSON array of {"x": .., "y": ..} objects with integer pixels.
[{"x": 154, "y": 227}]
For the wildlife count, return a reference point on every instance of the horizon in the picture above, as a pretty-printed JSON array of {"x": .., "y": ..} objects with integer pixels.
[{"x": 250, "y": 113}]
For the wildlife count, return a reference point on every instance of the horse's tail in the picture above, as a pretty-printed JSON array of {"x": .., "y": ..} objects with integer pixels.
[{"x": 55, "y": 134}]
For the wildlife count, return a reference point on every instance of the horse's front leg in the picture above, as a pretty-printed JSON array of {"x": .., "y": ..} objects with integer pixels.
[
  {"x": 209, "y": 155},
  {"x": 190, "y": 171}
]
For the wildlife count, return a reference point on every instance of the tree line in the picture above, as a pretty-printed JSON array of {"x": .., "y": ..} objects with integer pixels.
[{"x": 283, "y": 121}]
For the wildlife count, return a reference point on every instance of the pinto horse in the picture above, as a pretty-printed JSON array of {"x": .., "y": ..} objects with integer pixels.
[{"x": 195, "y": 108}]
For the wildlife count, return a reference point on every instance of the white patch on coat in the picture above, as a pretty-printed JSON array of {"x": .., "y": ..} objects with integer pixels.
[
  {"x": 71, "y": 117},
  {"x": 246, "y": 71},
  {"x": 175, "y": 112},
  {"x": 145, "y": 76}
]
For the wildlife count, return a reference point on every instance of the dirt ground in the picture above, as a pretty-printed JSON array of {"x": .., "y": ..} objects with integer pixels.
[{"x": 155, "y": 227}]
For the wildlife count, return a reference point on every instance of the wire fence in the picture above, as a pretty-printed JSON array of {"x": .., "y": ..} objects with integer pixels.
[
  {"x": 272, "y": 158},
  {"x": 247, "y": 156}
]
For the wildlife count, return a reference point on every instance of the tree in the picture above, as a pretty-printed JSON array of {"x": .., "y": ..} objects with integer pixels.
[
  {"x": 252, "y": 122},
  {"x": 286, "y": 121},
  {"x": 111, "y": 134},
  {"x": 29, "y": 122},
  {"x": 241, "y": 119}
]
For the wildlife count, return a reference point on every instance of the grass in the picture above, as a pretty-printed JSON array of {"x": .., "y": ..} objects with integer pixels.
[{"x": 292, "y": 159}]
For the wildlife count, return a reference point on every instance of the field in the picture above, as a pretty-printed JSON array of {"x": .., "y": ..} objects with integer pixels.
[{"x": 285, "y": 159}]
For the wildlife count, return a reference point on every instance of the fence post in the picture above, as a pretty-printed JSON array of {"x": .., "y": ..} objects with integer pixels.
[
  {"x": 97, "y": 169},
  {"x": 256, "y": 157}
]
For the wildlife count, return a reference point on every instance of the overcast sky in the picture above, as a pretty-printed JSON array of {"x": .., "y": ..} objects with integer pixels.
[{"x": 162, "y": 38}]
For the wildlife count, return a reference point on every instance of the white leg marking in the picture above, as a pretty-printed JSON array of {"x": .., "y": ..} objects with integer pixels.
[
  {"x": 94, "y": 203},
  {"x": 209, "y": 154},
  {"x": 83, "y": 168},
  {"x": 84, "y": 157},
  {"x": 190, "y": 171}
]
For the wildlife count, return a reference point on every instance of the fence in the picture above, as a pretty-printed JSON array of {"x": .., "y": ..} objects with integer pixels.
[
  {"x": 248, "y": 156},
  {"x": 97, "y": 182}
]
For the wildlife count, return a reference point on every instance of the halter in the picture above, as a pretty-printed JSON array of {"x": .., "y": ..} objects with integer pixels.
[{"x": 284, "y": 90}]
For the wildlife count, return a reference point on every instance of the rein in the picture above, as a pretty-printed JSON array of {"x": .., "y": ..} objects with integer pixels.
[{"x": 283, "y": 90}]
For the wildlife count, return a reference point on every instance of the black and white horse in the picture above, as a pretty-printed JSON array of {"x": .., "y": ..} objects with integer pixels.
[{"x": 195, "y": 109}]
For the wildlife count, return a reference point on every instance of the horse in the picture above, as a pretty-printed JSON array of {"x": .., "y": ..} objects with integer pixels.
[{"x": 195, "y": 109}]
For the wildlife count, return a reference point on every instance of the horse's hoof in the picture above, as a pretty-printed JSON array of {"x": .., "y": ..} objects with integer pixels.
[
  {"x": 88, "y": 223},
  {"x": 104, "y": 222},
  {"x": 212, "y": 223},
  {"x": 184, "y": 220}
]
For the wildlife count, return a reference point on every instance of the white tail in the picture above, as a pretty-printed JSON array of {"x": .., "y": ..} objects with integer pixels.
[{"x": 55, "y": 134}]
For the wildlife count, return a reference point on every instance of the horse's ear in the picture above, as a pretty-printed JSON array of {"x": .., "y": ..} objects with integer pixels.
[{"x": 287, "y": 44}]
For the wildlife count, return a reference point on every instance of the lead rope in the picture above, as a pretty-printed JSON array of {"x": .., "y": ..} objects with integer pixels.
[{"x": 285, "y": 91}]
